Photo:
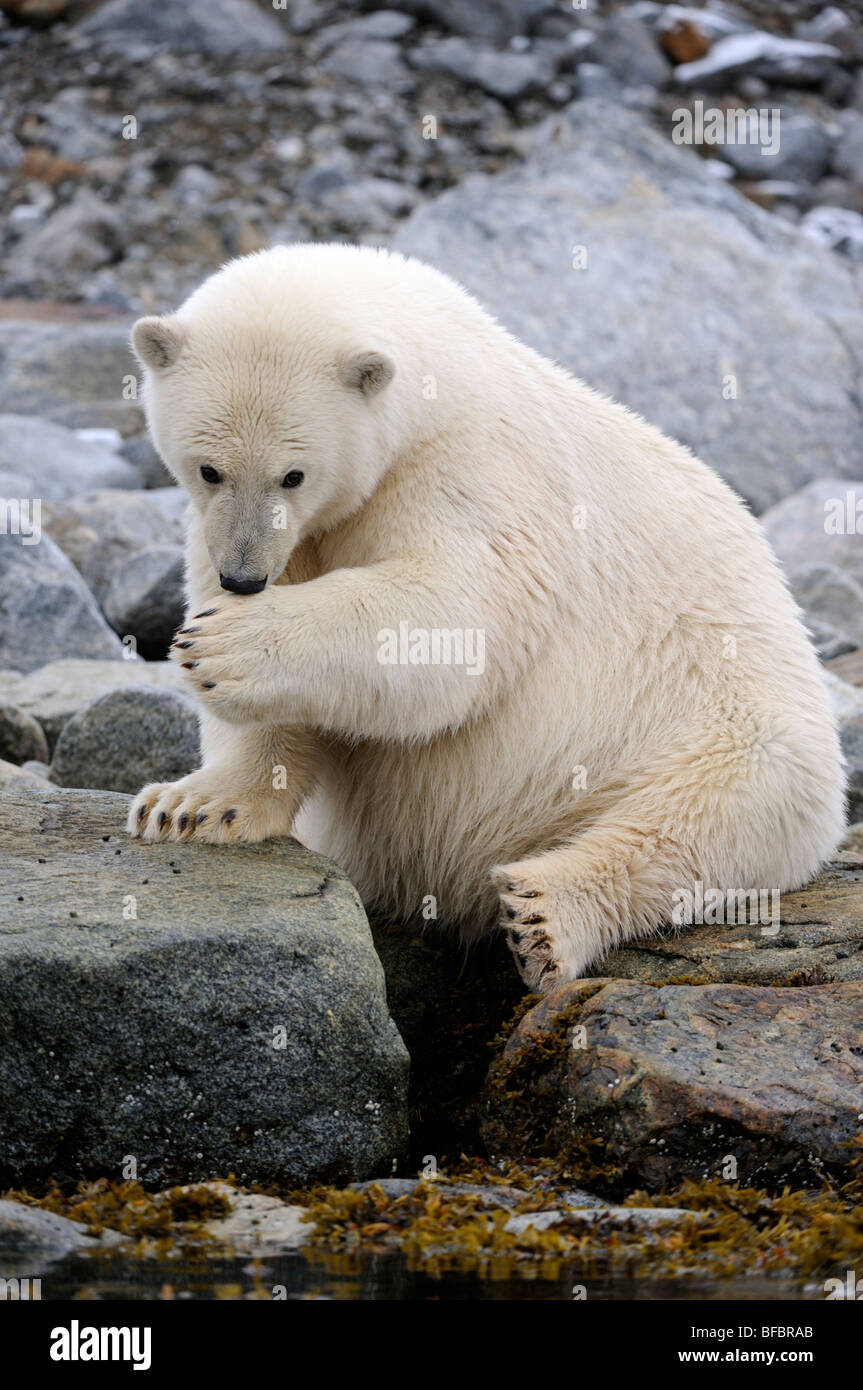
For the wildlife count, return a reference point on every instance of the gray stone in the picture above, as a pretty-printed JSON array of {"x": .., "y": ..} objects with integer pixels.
[
  {"x": 795, "y": 62},
  {"x": 631, "y": 54},
  {"x": 144, "y": 458},
  {"x": 833, "y": 192},
  {"x": 160, "y": 1035},
  {"x": 818, "y": 525},
  {"x": 26, "y": 1230},
  {"x": 609, "y": 1217},
  {"x": 663, "y": 235},
  {"x": 371, "y": 63},
  {"x": 195, "y": 185},
  {"x": 56, "y": 463},
  {"x": 11, "y": 775},
  {"x": 73, "y": 127},
  {"x": 257, "y": 1225},
  {"x": 803, "y": 151},
  {"x": 15, "y": 485},
  {"x": 11, "y": 151},
  {"x": 382, "y": 24},
  {"x": 846, "y": 698},
  {"x": 505, "y": 75},
  {"x": 21, "y": 736},
  {"x": 74, "y": 373},
  {"x": 831, "y": 25},
  {"x": 46, "y": 610},
  {"x": 222, "y": 27},
  {"x": 848, "y": 154},
  {"x": 667, "y": 1082},
  {"x": 832, "y": 601},
  {"x": 55, "y": 692},
  {"x": 79, "y": 237},
  {"x": 102, "y": 530},
  {"x": 851, "y": 734},
  {"x": 595, "y": 81},
  {"x": 35, "y": 768},
  {"x": 145, "y": 599},
  {"x": 128, "y": 738},
  {"x": 371, "y": 199},
  {"x": 839, "y": 228}
]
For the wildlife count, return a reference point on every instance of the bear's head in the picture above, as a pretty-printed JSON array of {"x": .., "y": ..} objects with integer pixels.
[{"x": 273, "y": 412}]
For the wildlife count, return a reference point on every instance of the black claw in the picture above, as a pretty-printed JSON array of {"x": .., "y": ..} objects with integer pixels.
[
  {"x": 208, "y": 685},
  {"x": 183, "y": 821},
  {"x": 163, "y": 817},
  {"x": 189, "y": 665},
  {"x": 200, "y": 817},
  {"x": 142, "y": 811},
  {"x": 530, "y": 921},
  {"x": 183, "y": 645},
  {"x": 228, "y": 817},
  {"x": 187, "y": 631},
  {"x": 207, "y": 613}
]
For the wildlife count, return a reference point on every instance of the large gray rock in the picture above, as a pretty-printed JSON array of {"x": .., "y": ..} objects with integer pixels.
[
  {"x": 669, "y": 1083},
  {"x": 104, "y": 529},
  {"x": 803, "y": 151},
  {"x": 628, "y": 49},
  {"x": 818, "y": 526},
  {"x": 46, "y": 610},
  {"x": 56, "y": 463},
  {"x": 848, "y": 155},
  {"x": 690, "y": 293},
  {"x": 74, "y": 373},
  {"x": 832, "y": 603},
  {"x": 59, "y": 690},
  {"x": 505, "y": 75},
  {"x": 221, "y": 27},
  {"x": 22, "y": 737},
  {"x": 78, "y": 237},
  {"x": 236, "y": 1023},
  {"x": 370, "y": 63},
  {"x": 128, "y": 738},
  {"x": 29, "y": 1233},
  {"x": 146, "y": 600}
]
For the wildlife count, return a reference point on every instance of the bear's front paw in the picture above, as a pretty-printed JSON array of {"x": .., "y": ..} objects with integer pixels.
[
  {"x": 228, "y": 659},
  {"x": 200, "y": 809}
]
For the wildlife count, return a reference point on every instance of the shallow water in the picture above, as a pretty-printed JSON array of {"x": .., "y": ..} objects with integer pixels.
[{"x": 309, "y": 1275}]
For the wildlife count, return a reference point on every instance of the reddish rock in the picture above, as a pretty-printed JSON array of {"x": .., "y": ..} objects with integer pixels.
[
  {"x": 646, "y": 1085},
  {"x": 683, "y": 42}
]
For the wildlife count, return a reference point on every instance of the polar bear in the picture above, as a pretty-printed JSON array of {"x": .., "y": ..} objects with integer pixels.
[{"x": 485, "y": 637}]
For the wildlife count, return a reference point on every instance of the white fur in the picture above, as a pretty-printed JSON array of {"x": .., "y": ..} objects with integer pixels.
[{"x": 655, "y": 647}]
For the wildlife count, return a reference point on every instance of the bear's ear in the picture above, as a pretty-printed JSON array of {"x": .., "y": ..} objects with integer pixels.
[
  {"x": 158, "y": 342},
  {"x": 368, "y": 372}
]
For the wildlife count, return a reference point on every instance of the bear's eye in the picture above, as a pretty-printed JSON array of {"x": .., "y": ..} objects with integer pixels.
[
  {"x": 209, "y": 474},
  {"x": 293, "y": 479}
]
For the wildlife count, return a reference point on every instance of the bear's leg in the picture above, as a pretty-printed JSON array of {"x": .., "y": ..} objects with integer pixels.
[
  {"x": 250, "y": 788},
  {"x": 756, "y": 804}
]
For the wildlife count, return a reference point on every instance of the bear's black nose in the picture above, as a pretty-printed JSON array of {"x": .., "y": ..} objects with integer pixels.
[{"x": 242, "y": 586}]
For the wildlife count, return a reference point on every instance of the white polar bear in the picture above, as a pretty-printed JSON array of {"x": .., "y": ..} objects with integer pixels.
[{"x": 509, "y": 651}]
